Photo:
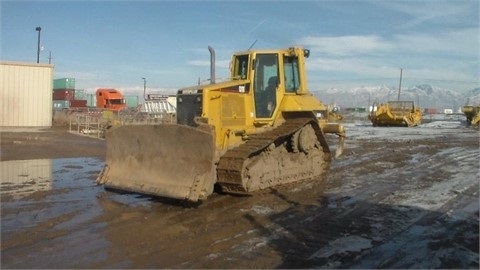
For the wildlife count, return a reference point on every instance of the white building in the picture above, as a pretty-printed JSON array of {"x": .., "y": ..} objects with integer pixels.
[{"x": 25, "y": 94}]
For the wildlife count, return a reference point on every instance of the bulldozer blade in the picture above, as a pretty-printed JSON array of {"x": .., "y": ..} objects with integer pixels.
[{"x": 168, "y": 160}]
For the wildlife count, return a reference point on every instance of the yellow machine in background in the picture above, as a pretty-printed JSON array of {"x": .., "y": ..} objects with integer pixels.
[
  {"x": 334, "y": 114},
  {"x": 473, "y": 114},
  {"x": 259, "y": 129},
  {"x": 396, "y": 113}
]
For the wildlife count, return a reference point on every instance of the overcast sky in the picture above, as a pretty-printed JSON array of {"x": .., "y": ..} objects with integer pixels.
[{"x": 352, "y": 43}]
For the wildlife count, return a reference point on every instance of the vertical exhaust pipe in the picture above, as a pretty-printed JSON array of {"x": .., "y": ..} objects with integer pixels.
[{"x": 212, "y": 64}]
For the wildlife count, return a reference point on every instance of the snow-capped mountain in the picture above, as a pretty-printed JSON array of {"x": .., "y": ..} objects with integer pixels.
[
  {"x": 473, "y": 97},
  {"x": 425, "y": 96}
]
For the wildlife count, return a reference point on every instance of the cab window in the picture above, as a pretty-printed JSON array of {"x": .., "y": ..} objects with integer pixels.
[
  {"x": 292, "y": 81},
  {"x": 240, "y": 67}
]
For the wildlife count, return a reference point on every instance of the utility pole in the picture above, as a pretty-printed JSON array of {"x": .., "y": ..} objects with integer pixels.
[
  {"x": 38, "y": 44},
  {"x": 50, "y": 57},
  {"x": 400, "y": 85},
  {"x": 144, "y": 88}
]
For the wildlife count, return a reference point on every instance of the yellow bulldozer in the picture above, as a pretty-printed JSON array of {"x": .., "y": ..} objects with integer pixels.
[
  {"x": 260, "y": 128},
  {"x": 473, "y": 114},
  {"x": 395, "y": 113}
]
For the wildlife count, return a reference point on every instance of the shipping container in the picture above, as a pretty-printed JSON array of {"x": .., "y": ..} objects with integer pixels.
[
  {"x": 77, "y": 103},
  {"x": 80, "y": 94},
  {"x": 132, "y": 101},
  {"x": 25, "y": 94},
  {"x": 61, "y": 104},
  {"x": 63, "y": 94},
  {"x": 64, "y": 83},
  {"x": 430, "y": 111},
  {"x": 91, "y": 100},
  {"x": 63, "y": 89}
]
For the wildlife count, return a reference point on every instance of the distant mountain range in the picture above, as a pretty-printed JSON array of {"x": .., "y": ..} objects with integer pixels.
[{"x": 425, "y": 96}]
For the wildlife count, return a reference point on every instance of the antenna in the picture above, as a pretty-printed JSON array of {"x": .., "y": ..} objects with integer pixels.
[{"x": 252, "y": 45}]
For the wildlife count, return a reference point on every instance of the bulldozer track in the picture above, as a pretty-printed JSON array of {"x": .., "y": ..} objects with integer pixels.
[{"x": 230, "y": 169}]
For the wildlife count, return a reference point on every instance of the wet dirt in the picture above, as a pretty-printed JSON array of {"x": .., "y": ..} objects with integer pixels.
[
  {"x": 397, "y": 198},
  {"x": 48, "y": 143}
]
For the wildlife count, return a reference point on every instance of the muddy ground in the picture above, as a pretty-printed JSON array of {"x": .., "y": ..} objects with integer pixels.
[{"x": 397, "y": 198}]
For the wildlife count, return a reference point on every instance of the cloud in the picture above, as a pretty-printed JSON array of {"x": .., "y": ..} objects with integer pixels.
[
  {"x": 346, "y": 45},
  {"x": 435, "y": 12},
  {"x": 446, "y": 55},
  {"x": 206, "y": 63},
  {"x": 458, "y": 41},
  {"x": 199, "y": 63},
  {"x": 353, "y": 66}
]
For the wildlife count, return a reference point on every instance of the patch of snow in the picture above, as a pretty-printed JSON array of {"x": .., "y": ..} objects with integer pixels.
[
  {"x": 213, "y": 256},
  {"x": 436, "y": 195},
  {"x": 424, "y": 131},
  {"x": 443, "y": 124},
  {"x": 261, "y": 210}
]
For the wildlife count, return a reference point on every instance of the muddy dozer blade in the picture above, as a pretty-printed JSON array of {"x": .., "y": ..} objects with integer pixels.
[{"x": 168, "y": 160}]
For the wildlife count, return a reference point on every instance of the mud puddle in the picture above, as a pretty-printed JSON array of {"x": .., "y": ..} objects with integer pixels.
[{"x": 46, "y": 204}]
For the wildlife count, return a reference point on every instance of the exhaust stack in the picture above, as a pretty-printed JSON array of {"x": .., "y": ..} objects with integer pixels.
[{"x": 212, "y": 64}]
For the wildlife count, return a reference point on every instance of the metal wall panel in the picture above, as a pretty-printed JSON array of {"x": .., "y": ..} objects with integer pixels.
[{"x": 25, "y": 94}]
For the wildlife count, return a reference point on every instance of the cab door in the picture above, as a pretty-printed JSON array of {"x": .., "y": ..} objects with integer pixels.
[{"x": 266, "y": 81}]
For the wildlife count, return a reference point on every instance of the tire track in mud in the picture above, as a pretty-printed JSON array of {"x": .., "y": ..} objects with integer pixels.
[
  {"x": 438, "y": 201},
  {"x": 441, "y": 239},
  {"x": 372, "y": 214},
  {"x": 384, "y": 215},
  {"x": 177, "y": 236}
]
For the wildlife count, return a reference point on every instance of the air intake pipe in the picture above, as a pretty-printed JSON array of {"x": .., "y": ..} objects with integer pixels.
[{"x": 212, "y": 64}]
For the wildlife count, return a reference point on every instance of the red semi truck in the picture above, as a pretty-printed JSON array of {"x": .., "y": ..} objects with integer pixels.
[{"x": 112, "y": 99}]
